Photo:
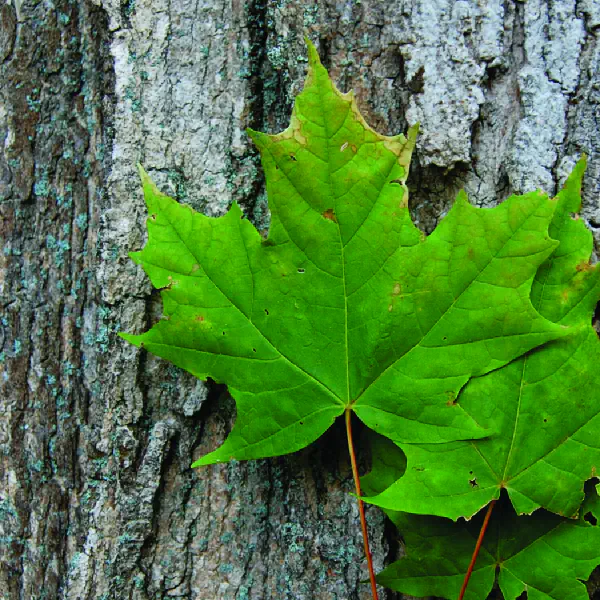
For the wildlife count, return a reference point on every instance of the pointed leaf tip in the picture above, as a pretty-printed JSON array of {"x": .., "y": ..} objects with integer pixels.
[
  {"x": 256, "y": 136},
  {"x": 132, "y": 339},
  {"x": 142, "y": 173},
  {"x": 313, "y": 56},
  {"x": 462, "y": 198},
  {"x": 413, "y": 132}
]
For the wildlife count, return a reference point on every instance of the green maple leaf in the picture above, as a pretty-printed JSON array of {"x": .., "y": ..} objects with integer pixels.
[
  {"x": 545, "y": 555},
  {"x": 345, "y": 306},
  {"x": 544, "y": 407}
]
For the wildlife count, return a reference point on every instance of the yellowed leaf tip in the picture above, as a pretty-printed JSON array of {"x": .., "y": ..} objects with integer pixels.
[
  {"x": 412, "y": 133},
  {"x": 142, "y": 173}
]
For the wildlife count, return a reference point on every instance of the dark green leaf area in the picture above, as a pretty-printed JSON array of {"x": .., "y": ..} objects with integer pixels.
[
  {"x": 544, "y": 555},
  {"x": 544, "y": 408},
  {"x": 345, "y": 305}
]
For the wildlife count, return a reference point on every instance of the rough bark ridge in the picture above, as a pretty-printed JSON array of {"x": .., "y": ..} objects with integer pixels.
[{"x": 97, "y": 500}]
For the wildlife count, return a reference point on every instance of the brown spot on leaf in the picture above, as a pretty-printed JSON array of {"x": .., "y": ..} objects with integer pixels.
[
  {"x": 451, "y": 399},
  {"x": 584, "y": 266},
  {"x": 390, "y": 308},
  {"x": 397, "y": 289},
  {"x": 195, "y": 268},
  {"x": 199, "y": 318},
  {"x": 329, "y": 214},
  {"x": 353, "y": 148}
]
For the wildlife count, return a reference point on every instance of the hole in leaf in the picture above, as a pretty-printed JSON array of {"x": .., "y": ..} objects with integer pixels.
[
  {"x": 293, "y": 157},
  {"x": 253, "y": 349},
  {"x": 223, "y": 333},
  {"x": 590, "y": 518},
  {"x": 545, "y": 420},
  {"x": 575, "y": 216},
  {"x": 396, "y": 181},
  {"x": 596, "y": 319},
  {"x": 267, "y": 312},
  {"x": 300, "y": 270},
  {"x": 473, "y": 482},
  {"x": 301, "y": 422}
]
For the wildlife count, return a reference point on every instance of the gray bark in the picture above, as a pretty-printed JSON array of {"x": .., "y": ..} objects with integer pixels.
[{"x": 97, "y": 500}]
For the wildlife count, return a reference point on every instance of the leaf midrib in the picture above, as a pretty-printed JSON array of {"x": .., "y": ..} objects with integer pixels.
[{"x": 342, "y": 247}]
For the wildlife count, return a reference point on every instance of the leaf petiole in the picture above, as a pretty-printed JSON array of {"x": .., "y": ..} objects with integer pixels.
[
  {"x": 486, "y": 520},
  {"x": 361, "y": 506}
]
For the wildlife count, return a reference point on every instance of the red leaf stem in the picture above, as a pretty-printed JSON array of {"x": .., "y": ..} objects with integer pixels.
[
  {"x": 486, "y": 520},
  {"x": 361, "y": 507}
]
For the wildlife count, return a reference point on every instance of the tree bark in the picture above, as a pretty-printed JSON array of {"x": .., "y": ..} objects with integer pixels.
[{"x": 97, "y": 500}]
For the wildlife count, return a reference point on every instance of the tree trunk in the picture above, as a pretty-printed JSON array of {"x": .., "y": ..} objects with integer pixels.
[{"x": 97, "y": 500}]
